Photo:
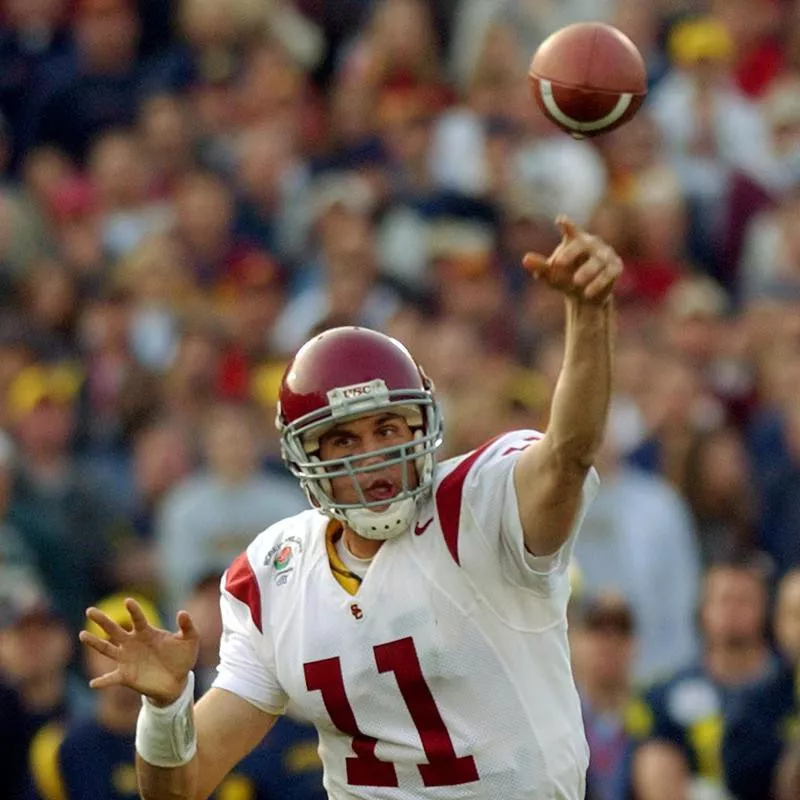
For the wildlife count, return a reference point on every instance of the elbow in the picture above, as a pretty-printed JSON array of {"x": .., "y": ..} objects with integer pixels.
[
  {"x": 571, "y": 456},
  {"x": 572, "y": 446}
]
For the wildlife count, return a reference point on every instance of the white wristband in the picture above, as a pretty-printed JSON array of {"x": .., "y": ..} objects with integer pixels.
[{"x": 165, "y": 737}]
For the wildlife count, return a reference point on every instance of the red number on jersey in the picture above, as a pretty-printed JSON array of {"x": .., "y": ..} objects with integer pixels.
[
  {"x": 444, "y": 768},
  {"x": 508, "y": 451},
  {"x": 366, "y": 769}
]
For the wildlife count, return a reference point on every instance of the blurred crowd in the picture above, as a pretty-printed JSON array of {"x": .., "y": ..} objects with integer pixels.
[{"x": 190, "y": 189}]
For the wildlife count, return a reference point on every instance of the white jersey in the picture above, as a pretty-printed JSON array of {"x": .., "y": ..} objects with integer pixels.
[{"x": 447, "y": 675}]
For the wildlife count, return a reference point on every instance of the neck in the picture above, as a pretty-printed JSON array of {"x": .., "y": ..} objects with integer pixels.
[
  {"x": 735, "y": 664},
  {"x": 359, "y": 546}
]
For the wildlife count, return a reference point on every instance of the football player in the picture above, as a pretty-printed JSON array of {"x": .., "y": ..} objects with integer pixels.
[{"x": 417, "y": 613}]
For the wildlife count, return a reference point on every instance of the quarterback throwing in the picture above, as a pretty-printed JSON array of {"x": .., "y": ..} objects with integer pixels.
[{"x": 416, "y": 613}]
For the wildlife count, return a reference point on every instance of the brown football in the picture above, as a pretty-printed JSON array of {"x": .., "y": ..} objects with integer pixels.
[{"x": 588, "y": 78}]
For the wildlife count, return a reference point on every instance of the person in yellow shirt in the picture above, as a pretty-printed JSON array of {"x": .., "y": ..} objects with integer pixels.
[{"x": 93, "y": 758}]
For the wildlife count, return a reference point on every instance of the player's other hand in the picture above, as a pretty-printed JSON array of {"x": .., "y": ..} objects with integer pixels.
[
  {"x": 154, "y": 662},
  {"x": 581, "y": 266}
]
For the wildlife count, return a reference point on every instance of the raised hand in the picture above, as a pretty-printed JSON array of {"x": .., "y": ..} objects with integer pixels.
[
  {"x": 152, "y": 661},
  {"x": 582, "y": 265}
]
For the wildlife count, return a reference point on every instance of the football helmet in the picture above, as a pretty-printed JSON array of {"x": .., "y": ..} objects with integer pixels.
[{"x": 346, "y": 373}]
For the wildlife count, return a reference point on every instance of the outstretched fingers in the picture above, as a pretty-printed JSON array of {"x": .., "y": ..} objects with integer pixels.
[
  {"x": 109, "y": 679},
  {"x": 186, "y": 626},
  {"x": 114, "y": 631},
  {"x": 138, "y": 618},
  {"x": 101, "y": 645}
]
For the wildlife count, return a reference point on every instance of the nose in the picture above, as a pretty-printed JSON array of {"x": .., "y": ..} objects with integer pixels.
[
  {"x": 368, "y": 447},
  {"x": 369, "y": 460}
]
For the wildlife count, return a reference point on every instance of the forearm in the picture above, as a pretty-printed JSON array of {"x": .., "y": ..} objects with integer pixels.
[
  {"x": 583, "y": 391},
  {"x": 166, "y": 747},
  {"x": 162, "y": 783}
]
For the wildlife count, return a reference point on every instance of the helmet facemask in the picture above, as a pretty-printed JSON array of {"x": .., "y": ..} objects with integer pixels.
[{"x": 300, "y": 445}]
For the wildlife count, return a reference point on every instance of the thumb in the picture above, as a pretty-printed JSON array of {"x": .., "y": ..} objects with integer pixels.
[
  {"x": 535, "y": 263},
  {"x": 186, "y": 626},
  {"x": 568, "y": 228}
]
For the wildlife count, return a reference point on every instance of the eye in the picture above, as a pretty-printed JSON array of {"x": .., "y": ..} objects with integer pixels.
[
  {"x": 387, "y": 431},
  {"x": 343, "y": 441}
]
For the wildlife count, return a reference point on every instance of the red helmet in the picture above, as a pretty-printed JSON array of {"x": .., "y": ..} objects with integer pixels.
[{"x": 345, "y": 373}]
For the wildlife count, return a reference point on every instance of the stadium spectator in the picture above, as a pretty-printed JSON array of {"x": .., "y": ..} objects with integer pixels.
[
  {"x": 94, "y": 86},
  {"x": 36, "y": 648},
  {"x": 638, "y": 540},
  {"x": 208, "y": 517},
  {"x": 91, "y": 756},
  {"x": 680, "y": 753},
  {"x": 60, "y": 512},
  {"x": 603, "y": 643},
  {"x": 759, "y": 747}
]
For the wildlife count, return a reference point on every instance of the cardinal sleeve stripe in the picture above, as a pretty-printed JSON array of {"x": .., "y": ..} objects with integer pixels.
[
  {"x": 241, "y": 582},
  {"x": 450, "y": 495}
]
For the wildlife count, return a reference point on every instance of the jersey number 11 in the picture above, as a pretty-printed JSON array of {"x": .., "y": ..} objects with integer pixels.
[{"x": 444, "y": 768}]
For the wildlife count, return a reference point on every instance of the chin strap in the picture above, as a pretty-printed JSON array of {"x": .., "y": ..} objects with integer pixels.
[{"x": 382, "y": 525}]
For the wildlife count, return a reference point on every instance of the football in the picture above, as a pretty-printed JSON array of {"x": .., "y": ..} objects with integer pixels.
[{"x": 588, "y": 78}]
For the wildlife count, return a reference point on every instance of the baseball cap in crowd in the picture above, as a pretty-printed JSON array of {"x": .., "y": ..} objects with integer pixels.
[
  {"x": 23, "y": 599},
  {"x": 464, "y": 247},
  {"x": 700, "y": 39},
  {"x": 34, "y": 384},
  {"x": 345, "y": 190},
  {"x": 113, "y": 606},
  {"x": 604, "y": 612}
]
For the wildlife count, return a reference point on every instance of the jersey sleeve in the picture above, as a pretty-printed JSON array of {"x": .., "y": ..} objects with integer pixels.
[
  {"x": 491, "y": 511},
  {"x": 246, "y": 659}
]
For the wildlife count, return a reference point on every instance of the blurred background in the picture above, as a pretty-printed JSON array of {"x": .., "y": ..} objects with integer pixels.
[{"x": 190, "y": 189}]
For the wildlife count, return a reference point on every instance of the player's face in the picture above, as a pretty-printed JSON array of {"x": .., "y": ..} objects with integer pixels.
[
  {"x": 734, "y": 607},
  {"x": 359, "y": 438}
]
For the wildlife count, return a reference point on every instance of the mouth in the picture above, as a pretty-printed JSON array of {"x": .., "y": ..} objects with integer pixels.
[{"x": 380, "y": 489}]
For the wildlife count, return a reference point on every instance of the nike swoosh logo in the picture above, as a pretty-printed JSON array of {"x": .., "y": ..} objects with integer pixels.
[{"x": 420, "y": 529}]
